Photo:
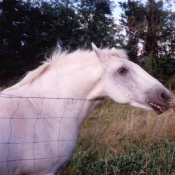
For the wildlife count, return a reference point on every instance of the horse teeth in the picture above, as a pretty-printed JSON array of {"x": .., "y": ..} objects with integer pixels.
[{"x": 161, "y": 108}]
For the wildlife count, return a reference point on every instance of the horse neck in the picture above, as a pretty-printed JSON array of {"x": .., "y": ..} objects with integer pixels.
[
  {"x": 77, "y": 86},
  {"x": 82, "y": 80}
]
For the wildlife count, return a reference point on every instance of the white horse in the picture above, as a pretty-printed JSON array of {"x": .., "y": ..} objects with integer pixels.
[{"x": 40, "y": 116}]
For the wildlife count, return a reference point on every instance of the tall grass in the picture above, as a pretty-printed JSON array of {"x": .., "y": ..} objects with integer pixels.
[{"x": 122, "y": 140}]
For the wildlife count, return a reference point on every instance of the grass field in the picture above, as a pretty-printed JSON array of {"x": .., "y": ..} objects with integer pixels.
[{"x": 123, "y": 140}]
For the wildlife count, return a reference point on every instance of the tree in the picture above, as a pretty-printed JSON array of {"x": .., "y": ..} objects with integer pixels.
[
  {"x": 29, "y": 30},
  {"x": 132, "y": 19},
  {"x": 151, "y": 26},
  {"x": 25, "y": 37},
  {"x": 97, "y": 23}
]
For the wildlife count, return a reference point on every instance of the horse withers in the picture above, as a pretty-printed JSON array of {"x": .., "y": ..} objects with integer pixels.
[{"x": 40, "y": 115}]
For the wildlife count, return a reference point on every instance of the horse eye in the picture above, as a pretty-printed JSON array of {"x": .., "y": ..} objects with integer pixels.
[{"x": 122, "y": 71}]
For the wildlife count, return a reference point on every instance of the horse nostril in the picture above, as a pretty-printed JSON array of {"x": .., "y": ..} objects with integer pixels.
[{"x": 165, "y": 96}]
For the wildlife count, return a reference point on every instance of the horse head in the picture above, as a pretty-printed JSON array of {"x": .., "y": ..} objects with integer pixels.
[{"x": 127, "y": 83}]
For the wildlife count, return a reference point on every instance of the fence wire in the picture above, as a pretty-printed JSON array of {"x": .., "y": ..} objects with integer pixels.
[
  {"x": 13, "y": 142},
  {"x": 10, "y": 143}
]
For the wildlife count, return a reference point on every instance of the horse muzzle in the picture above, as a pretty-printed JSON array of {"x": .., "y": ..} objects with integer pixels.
[{"x": 161, "y": 101}]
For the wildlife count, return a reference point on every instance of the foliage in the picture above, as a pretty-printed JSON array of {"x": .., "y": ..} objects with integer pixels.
[
  {"x": 150, "y": 29},
  {"x": 97, "y": 23},
  {"x": 25, "y": 37},
  {"x": 32, "y": 29}
]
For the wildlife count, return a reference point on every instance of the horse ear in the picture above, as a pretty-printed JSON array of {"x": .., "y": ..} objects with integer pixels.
[{"x": 100, "y": 54}]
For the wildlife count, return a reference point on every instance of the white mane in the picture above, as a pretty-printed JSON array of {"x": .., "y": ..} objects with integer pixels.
[{"x": 59, "y": 57}]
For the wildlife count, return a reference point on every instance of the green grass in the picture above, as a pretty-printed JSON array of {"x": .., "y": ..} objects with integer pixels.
[{"x": 122, "y": 140}]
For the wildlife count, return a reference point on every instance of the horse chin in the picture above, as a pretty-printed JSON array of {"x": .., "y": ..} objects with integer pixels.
[{"x": 142, "y": 106}]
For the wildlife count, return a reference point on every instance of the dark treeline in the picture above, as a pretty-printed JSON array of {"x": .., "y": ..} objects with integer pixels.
[
  {"x": 153, "y": 26},
  {"x": 31, "y": 30}
]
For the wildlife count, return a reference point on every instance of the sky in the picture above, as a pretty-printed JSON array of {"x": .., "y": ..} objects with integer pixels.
[{"x": 117, "y": 10}]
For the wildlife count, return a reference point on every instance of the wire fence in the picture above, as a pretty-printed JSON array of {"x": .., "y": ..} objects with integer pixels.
[{"x": 13, "y": 137}]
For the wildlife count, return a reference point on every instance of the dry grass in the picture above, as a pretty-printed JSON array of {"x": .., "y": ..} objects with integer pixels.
[
  {"x": 113, "y": 125},
  {"x": 123, "y": 134}
]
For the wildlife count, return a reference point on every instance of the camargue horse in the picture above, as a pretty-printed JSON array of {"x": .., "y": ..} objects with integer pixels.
[{"x": 40, "y": 116}]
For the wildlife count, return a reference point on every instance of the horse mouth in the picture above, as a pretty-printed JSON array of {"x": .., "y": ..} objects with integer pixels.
[{"x": 158, "y": 108}]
